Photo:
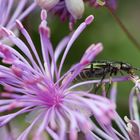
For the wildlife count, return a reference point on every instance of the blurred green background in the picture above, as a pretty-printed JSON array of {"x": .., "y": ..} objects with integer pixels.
[{"x": 104, "y": 29}]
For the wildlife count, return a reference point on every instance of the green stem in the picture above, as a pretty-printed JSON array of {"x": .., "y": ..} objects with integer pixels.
[{"x": 129, "y": 35}]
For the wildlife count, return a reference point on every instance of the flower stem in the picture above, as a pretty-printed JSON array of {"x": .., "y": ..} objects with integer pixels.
[{"x": 129, "y": 35}]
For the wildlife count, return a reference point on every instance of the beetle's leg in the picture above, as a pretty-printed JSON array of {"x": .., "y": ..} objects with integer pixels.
[
  {"x": 104, "y": 93},
  {"x": 121, "y": 73},
  {"x": 91, "y": 67},
  {"x": 110, "y": 81},
  {"x": 99, "y": 85}
]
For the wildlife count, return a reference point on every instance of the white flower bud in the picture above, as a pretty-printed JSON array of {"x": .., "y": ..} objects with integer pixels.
[{"x": 75, "y": 7}]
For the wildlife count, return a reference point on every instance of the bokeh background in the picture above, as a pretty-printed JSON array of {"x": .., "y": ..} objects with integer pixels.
[{"x": 117, "y": 46}]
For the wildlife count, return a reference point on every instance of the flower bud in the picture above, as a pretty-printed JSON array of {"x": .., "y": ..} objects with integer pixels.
[
  {"x": 112, "y": 4},
  {"x": 75, "y": 7}
]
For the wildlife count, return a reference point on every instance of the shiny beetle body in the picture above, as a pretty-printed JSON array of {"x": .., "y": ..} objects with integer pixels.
[{"x": 100, "y": 69}]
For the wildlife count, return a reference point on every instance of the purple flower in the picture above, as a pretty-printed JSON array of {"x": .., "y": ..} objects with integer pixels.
[
  {"x": 66, "y": 9},
  {"x": 9, "y": 16},
  {"x": 48, "y": 96},
  {"x": 134, "y": 103},
  {"x": 130, "y": 128},
  {"x": 73, "y": 9}
]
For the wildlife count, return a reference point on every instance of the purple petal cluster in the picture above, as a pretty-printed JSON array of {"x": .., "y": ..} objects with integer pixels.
[
  {"x": 38, "y": 87},
  {"x": 134, "y": 104},
  {"x": 130, "y": 128},
  {"x": 64, "y": 8},
  {"x": 10, "y": 10},
  {"x": 73, "y": 9}
]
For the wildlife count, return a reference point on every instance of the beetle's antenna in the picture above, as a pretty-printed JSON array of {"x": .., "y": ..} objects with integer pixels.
[{"x": 136, "y": 68}]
